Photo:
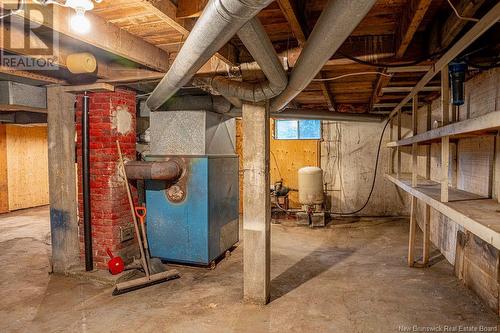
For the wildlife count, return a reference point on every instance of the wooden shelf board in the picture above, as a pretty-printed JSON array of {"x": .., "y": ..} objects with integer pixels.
[
  {"x": 487, "y": 124},
  {"x": 19, "y": 108},
  {"x": 94, "y": 87},
  {"x": 478, "y": 214}
]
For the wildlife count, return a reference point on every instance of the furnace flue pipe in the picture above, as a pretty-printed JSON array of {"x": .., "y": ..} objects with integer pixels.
[{"x": 164, "y": 170}]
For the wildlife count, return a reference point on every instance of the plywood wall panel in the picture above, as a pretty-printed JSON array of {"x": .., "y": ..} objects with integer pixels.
[
  {"x": 287, "y": 157},
  {"x": 4, "y": 193},
  {"x": 27, "y": 166}
]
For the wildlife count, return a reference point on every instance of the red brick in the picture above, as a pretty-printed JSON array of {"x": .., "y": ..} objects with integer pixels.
[{"x": 109, "y": 204}]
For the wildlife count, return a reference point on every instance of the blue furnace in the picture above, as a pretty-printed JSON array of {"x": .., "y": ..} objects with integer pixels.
[{"x": 194, "y": 219}]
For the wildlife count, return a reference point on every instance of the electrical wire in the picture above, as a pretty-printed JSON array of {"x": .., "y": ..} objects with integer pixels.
[
  {"x": 374, "y": 176},
  {"x": 471, "y": 19},
  {"x": 277, "y": 165},
  {"x": 20, "y": 8},
  {"x": 350, "y": 74}
]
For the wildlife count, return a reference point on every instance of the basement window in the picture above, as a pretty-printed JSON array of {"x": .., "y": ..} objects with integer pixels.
[{"x": 297, "y": 129}]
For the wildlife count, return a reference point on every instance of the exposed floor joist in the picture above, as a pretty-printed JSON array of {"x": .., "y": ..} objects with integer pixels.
[
  {"x": 288, "y": 10},
  {"x": 110, "y": 38},
  {"x": 29, "y": 75},
  {"x": 412, "y": 16},
  {"x": 488, "y": 20},
  {"x": 167, "y": 11}
]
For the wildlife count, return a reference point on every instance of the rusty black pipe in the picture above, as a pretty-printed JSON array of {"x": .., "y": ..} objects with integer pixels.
[
  {"x": 161, "y": 170},
  {"x": 87, "y": 226}
]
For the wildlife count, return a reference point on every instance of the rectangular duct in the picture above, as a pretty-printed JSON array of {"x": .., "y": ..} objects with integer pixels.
[{"x": 192, "y": 133}]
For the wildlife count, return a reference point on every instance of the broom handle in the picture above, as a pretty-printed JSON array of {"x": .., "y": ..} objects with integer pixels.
[{"x": 131, "y": 202}]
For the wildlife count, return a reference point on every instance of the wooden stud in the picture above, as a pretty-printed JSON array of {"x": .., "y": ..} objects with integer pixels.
[
  {"x": 445, "y": 167},
  {"x": 414, "y": 150},
  {"x": 429, "y": 150},
  {"x": 427, "y": 235},
  {"x": 454, "y": 113},
  {"x": 445, "y": 96},
  {"x": 413, "y": 231},
  {"x": 390, "y": 164},
  {"x": 399, "y": 149},
  {"x": 4, "y": 181},
  {"x": 496, "y": 172}
]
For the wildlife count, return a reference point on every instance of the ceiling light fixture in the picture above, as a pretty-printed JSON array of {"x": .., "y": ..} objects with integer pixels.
[{"x": 80, "y": 23}]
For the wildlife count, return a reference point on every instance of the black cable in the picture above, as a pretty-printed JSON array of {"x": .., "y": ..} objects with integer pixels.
[{"x": 374, "y": 175}]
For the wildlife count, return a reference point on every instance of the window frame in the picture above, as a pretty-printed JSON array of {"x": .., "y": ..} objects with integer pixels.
[{"x": 277, "y": 121}]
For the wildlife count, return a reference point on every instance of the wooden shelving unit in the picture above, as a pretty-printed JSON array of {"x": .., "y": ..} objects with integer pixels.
[
  {"x": 478, "y": 214},
  {"x": 488, "y": 124}
]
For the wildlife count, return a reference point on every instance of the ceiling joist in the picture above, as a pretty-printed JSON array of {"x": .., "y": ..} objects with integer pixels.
[{"x": 107, "y": 37}]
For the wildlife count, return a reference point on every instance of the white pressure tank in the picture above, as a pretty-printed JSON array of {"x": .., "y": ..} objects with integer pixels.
[{"x": 311, "y": 186}]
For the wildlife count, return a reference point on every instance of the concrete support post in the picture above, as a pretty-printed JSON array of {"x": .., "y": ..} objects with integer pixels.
[
  {"x": 62, "y": 180},
  {"x": 256, "y": 204}
]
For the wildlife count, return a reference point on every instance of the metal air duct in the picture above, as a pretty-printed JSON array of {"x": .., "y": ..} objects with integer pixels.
[
  {"x": 336, "y": 23},
  {"x": 218, "y": 23},
  {"x": 255, "y": 39}
]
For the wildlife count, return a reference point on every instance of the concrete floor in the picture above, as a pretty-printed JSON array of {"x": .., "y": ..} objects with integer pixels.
[{"x": 346, "y": 278}]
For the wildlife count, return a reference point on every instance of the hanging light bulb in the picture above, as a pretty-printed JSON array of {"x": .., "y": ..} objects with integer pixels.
[
  {"x": 79, "y": 23},
  {"x": 83, "y": 4}
]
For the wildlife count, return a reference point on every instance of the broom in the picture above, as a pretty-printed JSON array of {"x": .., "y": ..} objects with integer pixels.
[{"x": 149, "y": 279}]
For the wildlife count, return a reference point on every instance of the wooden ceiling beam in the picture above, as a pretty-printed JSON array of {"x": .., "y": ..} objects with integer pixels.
[
  {"x": 382, "y": 82},
  {"x": 190, "y": 8},
  {"x": 486, "y": 22},
  {"x": 15, "y": 32},
  {"x": 411, "y": 18},
  {"x": 327, "y": 94},
  {"x": 289, "y": 12},
  {"x": 167, "y": 12},
  {"x": 106, "y": 36},
  {"x": 30, "y": 75},
  {"x": 443, "y": 34}
]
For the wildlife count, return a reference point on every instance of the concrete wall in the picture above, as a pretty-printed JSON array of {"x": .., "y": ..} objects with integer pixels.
[{"x": 348, "y": 155}]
